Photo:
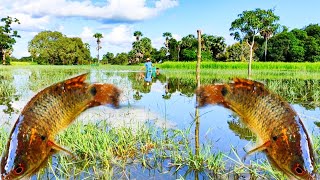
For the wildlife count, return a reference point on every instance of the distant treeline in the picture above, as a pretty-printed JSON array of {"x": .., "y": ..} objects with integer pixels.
[
  {"x": 297, "y": 45},
  {"x": 257, "y": 31}
]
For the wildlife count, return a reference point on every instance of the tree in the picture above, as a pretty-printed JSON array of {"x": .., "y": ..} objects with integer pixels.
[
  {"x": 107, "y": 57},
  {"x": 141, "y": 47},
  {"x": 286, "y": 47},
  {"x": 98, "y": 36},
  {"x": 137, "y": 47},
  {"x": 312, "y": 49},
  {"x": 44, "y": 48},
  {"x": 237, "y": 52},
  {"x": 137, "y": 34},
  {"x": 269, "y": 27},
  {"x": 213, "y": 44},
  {"x": 250, "y": 24},
  {"x": 188, "y": 48},
  {"x": 313, "y": 30},
  {"x": 7, "y": 36},
  {"x": 52, "y": 47},
  {"x": 146, "y": 47},
  {"x": 167, "y": 35},
  {"x": 179, "y": 49},
  {"x": 173, "y": 46},
  {"x": 121, "y": 59},
  {"x": 158, "y": 55}
]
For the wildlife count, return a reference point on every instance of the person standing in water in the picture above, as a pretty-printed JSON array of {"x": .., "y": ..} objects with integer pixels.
[{"x": 148, "y": 66}]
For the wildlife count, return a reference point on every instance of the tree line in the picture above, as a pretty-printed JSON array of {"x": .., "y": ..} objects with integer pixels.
[{"x": 258, "y": 34}]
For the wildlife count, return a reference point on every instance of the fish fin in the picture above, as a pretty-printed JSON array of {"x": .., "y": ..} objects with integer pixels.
[
  {"x": 56, "y": 148},
  {"x": 260, "y": 148},
  {"x": 77, "y": 81},
  {"x": 211, "y": 94},
  {"x": 246, "y": 83},
  {"x": 104, "y": 94}
]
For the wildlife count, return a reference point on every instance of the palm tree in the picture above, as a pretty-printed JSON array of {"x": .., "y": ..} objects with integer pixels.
[
  {"x": 137, "y": 46},
  {"x": 267, "y": 32},
  {"x": 179, "y": 48},
  {"x": 98, "y": 36},
  {"x": 137, "y": 34},
  {"x": 167, "y": 35}
]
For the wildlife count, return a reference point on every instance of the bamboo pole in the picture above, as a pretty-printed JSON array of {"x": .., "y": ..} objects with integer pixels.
[{"x": 197, "y": 119}]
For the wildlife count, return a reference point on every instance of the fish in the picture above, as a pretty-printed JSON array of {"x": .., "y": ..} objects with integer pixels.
[
  {"x": 279, "y": 130},
  {"x": 32, "y": 140}
]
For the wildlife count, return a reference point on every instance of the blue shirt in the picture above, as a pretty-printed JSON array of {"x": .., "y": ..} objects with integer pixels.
[{"x": 148, "y": 66}]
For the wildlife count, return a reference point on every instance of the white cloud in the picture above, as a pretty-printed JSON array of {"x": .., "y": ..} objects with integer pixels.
[
  {"x": 86, "y": 34},
  {"x": 121, "y": 35},
  {"x": 114, "y": 10},
  {"x": 118, "y": 39},
  {"x": 28, "y": 23},
  {"x": 110, "y": 17},
  {"x": 166, "y": 4}
]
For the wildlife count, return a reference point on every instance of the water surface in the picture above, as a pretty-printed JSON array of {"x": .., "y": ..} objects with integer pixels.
[{"x": 168, "y": 102}]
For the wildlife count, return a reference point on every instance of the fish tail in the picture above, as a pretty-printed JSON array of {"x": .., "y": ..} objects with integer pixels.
[
  {"x": 211, "y": 94},
  {"x": 104, "y": 94}
]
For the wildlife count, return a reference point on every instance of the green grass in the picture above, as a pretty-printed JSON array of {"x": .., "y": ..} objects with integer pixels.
[
  {"x": 243, "y": 65},
  {"x": 18, "y": 63},
  {"x": 105, "y": 152}
]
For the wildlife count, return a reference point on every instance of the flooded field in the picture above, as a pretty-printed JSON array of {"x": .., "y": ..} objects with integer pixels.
[{"x": 151, "y": 135}]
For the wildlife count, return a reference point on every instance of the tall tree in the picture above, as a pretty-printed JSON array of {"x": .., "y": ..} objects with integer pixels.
[
  {"x": 137, "y": 47},
  {"x": 7, "y": 36},
  {"x": 248, "y": 25},
  {"x": 178, "y": 48},
  {"x": 98, "y": 36},
  {"x": 137, "y": 34},
  {"x": 269, "y": 28},
  {"x": 146, "y": 47},
  {"x": 167, "y": 35},
  {"x": 173, "y": 50}
]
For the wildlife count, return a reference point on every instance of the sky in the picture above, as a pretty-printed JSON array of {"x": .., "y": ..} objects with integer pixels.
[{"x": 118, "y": 19}]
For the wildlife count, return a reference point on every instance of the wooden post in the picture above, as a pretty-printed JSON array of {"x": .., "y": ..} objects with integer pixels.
[
  {"x": 197, "y": 119},
  {"x": 198, "y": 59}
]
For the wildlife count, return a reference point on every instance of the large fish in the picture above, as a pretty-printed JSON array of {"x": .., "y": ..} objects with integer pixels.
[
  {"x": 31, "y": 141},
  {"x": 280, "y": 131}
]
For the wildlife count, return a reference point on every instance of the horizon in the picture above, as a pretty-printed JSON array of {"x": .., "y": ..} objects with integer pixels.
[{"x": 118, "y": 19}]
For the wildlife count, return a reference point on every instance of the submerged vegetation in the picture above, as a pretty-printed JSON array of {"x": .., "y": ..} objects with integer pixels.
[{"x": 104, "y": 151}]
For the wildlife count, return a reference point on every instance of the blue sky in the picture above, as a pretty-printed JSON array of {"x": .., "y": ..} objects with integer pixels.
[{"x": 118, "y": 19}]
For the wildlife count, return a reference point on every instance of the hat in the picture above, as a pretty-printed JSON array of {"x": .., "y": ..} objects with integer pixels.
[{"x": 148, "y": 59}]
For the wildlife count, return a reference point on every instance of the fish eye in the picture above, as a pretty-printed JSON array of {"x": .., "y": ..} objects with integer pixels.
[
  {"x": 19, "y": 169},
  {"x": 298, "y": 170}
]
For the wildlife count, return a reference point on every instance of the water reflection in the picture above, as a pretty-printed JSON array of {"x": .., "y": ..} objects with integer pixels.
[
  {"x": 7, "y": 94},
  {"x": 240, "y": 129},
  {"x": 169, "y": 98}
]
